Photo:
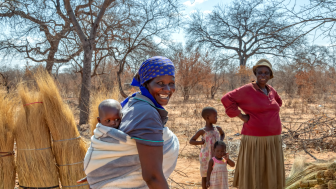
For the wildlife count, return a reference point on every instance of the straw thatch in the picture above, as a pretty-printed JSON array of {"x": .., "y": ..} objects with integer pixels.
[
  {"x": 308, "y": 173},
  {"x": 97, "y": 98},
  {"x": 35, "y": 160},
  {"x": 69, "y": 150},
  {"x": 332, "y": 184},
  {"x": 7, "y": 164}
]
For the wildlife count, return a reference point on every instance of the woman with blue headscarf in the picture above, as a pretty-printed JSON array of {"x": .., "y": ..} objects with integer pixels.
[
  {"x": 142, "y": 153},
  {"x": 144, "y": 116}
]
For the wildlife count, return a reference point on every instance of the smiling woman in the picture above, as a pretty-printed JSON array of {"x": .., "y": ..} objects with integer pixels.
[
  {"x": 260, "y": 161},
  {"x": 143, "y": 152},
  {"x": 161, "y": 88}
]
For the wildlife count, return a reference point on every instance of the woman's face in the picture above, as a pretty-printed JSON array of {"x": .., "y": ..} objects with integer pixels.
[
  {"x": 162, "y": 88},
  {"x": 263, "y": 74}
]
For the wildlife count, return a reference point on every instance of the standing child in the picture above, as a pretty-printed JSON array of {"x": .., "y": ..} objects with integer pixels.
[
  {"x": 210, "y": 134},
  {"x": 217, "y": 176}
]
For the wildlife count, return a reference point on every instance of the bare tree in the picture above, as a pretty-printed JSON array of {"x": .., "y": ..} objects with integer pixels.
[
  {"x": 191, "y": 70},
  {"x": 88, "y": 44},
  {"x": 246, "y": 28},
  {"x": 38, "y": 29},
  {"x": 130, "y": 31},
  {"x": 218, "y": 66},
  {"x": 317, "y": 15}
]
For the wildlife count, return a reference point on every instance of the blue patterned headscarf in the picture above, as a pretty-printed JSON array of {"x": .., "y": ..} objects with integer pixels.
[{"x": 150, "y": 69}]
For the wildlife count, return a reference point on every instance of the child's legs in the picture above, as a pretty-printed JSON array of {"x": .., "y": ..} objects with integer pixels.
[{"x": 204, "y": 182}]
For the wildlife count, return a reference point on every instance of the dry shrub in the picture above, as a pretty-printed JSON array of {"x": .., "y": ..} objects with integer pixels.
[
  {"x": 97, "y": 98},
  {"x": 35, "y": 160},
  {"x": 7, "y": 165},
  {"x": 69, "y": 149}
]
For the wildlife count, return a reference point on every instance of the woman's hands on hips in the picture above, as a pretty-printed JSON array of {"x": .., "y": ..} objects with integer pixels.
[
  {"x": 244, "y": 117},
  {"x": 208, "y": 184}
]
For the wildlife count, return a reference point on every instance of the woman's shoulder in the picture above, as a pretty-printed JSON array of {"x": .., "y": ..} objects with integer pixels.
[
  {"x": 140, "y": 108},
  {"x": 271, "y": 88},
  {"x": 242, "y": 89}
]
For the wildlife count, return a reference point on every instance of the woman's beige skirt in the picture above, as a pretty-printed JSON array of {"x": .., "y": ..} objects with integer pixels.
[{"x": 260, "y": 163}]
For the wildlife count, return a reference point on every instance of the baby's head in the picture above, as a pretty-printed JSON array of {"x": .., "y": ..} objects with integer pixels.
[
  {"x": 220, "y": 149},
  {"x": 110, "y": 113},
  {"x": 209, "y": 114}
]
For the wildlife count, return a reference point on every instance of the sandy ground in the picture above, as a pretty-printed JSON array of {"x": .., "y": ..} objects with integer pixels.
[{"x": 185, "y": 120}]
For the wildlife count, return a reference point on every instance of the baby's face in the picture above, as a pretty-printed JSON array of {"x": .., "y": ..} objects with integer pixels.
[{"x": 110, "y": 117}]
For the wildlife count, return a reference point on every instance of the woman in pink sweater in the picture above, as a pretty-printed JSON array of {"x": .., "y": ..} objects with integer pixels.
[{"x": 260, "y": 163}]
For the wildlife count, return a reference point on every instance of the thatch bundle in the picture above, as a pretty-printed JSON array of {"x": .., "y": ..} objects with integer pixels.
[
  {"x": 7, "y": 165},
  {"x": 35, "y": 160},
  {"x": 97, "y": 98},
  {"x": 332, "y": 184},
  {"x": 315, "y": 175},
  {"x": 69, "y": 149}
]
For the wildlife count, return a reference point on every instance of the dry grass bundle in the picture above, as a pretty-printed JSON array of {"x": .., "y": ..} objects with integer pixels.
[
  {"x": 332, "y": 184},
  {"x": 97, "y": 98},
  {"x": 332, "y": 167},
  {"x": 7, "y": 164},
  {"x": 308, "y": 173},
  {"x": 69, "y": 150},
  {"x": 35, "y": 160},
  {"x": 328, "y": 174},
  {"x": 308, "y": 183},
  {"x": 320, "y": 174}
]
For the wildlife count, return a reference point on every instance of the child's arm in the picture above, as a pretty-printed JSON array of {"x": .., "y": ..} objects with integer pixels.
[
  {"x": 229, "y": 161},
  {"x": 221, "y": 132},
  {"x": 195, "y": 137},
  {"x": 209, "y": 172}
]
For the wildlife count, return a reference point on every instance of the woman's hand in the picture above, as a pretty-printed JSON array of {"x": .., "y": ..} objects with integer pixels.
[
  {"x": 208, "y": 184},
  {"x": 151, "y": 158},
  {"x": 244, "y": 117}
]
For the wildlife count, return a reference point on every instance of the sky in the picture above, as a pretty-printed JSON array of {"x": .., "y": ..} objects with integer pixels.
[
  {"x": 191, "y": 6},
  {"x": 206, "y": 6}
]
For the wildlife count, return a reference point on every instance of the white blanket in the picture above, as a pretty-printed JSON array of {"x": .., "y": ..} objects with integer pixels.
[{"x": 112, "y": 160}]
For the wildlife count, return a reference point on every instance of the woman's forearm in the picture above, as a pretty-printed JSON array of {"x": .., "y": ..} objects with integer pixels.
[
  {"x": 157, "y": 182},
  {"x": 151, "y": 158}
]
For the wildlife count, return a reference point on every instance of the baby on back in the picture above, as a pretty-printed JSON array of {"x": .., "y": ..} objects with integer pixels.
[
  {"x": 110, "y": 116},
  {"x": 110, "y": 113}
]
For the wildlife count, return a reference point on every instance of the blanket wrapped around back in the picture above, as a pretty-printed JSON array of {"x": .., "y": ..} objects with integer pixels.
[{"x": 112, "y": 160}]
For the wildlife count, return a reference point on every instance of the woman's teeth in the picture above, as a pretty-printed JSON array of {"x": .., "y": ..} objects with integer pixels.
[{"x": 163, "y": 96}]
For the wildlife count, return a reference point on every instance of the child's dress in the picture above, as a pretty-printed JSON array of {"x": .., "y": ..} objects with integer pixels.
[
  {"x": 219, "y": 175},
  {"x": 207, "y": 150}
]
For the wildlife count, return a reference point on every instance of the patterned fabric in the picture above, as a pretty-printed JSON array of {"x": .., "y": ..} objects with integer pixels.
[
  {"x": 151, "y": 68},
  {"x": 154, "y": 67},
  {"x": 112, "y": 160},
  {"x": 219, "y": 175},
  {"x": 207, "y": 150}
]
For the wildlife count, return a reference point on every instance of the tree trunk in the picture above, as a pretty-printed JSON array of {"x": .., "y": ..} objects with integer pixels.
[
  {"x": 51, "y": 56},
  {"x": 243, "y": 78},
  {"x": 213, "y": 92},
  {"x": 49, "y": 66},
  {"x": 185, "y": 94},
  {"x": 84, "y": 105},
  {"x": 123, "y": 94}
]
